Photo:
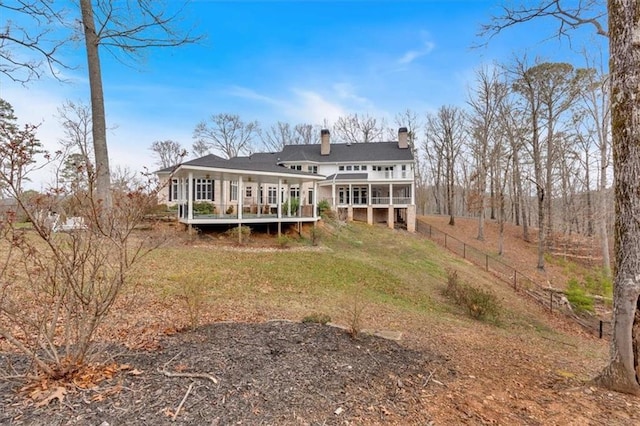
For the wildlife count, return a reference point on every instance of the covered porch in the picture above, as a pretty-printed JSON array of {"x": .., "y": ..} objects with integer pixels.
[{"x": 210, "y": 196}]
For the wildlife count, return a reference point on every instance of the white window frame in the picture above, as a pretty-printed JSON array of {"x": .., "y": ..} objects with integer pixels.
[
  {"x": 203, "y": 190},
  {"x": 173, "y": 190},
  {"x": 233, "y": 190}
]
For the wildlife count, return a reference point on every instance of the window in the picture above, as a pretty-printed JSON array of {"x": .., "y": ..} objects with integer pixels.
[
  {"x": 272, "y": 195},
  {"x": 343, "y": 195},
  {"x": 173, "y": 190},
  {"x": 356, "y": 168},
  {"x": 310, "y": 199},
  {"x": 295, "y": 167},
  {"x": 349, "y": 168},
  {"x": 248, "y": 192},
  {"x": 233, "y": 190},
  {"x": 203, "y": 190},
  {"x": 294, "y": 192},
  {"x": 363, "y": 168},
  {"x": 312, "y": 169},
  {"x": 341, "y": 168}
]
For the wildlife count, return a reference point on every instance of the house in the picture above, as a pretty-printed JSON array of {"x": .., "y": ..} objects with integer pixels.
[{"x": 372, "y": 182}]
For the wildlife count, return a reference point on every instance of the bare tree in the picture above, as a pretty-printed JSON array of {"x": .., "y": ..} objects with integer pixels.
[
  {"x": 306, "y": 134},
  {"x": 446, "y": 135},
  {"x": 281, "y": 134},
  {"x": 52, "y": 312},
  {"x": 169, "y": 152},
  {"x": 622, "y": 373},
  {"x": 77, "y": 143},
  {"x": 356, "y": 128},
  {"x": 120, "y": 27},
  {"x": 485, "y": 102},
  {"x": 546, "y": 91},
  {"x": 28, "y": 39},
  {"x": 595, "y": 109},
  {"x": 227, "y": 134},
  {"x": 624, "y": 22},
  {"x": 570, "y": 15}
]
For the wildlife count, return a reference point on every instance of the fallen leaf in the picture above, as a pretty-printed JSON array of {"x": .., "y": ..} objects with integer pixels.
[{"x": 56, "y": 393}]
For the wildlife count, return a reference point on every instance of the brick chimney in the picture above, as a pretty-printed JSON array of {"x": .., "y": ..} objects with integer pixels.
[
  {"x": 403, "y": 138},
  {"x": 325, "y": 145}
]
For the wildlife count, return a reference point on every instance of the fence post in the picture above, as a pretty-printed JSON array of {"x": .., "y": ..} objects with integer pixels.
[
  {"x": 486, "y": 261},
  {"x": 445, "y": 240},
  {"x": 464, "y": 251},
  {"x": 600, "y": 330},
  {"x": 550, "y": 301},
  {"x": 515, "y": 279}
]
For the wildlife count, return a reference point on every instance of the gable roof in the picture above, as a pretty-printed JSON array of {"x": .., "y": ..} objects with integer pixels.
[
  {"x": 259, "y": 162},
  {"x": 341, "y": 153}
]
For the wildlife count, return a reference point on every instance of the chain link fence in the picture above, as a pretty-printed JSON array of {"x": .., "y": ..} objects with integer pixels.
[{"x": 551, "y": 299}]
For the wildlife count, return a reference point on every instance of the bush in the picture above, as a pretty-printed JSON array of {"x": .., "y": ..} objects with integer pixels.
[
  {"x": 284, "y": 241},
  {"x": 600, "y": 284},
  {"x": 323, "y": 207},
  {"x": 317, "y": 318},
  {"x": 204, "y": 207},
  {"x": 480, "y": 304},
  {"x": 578, "y": 297},
  {"x": 295, "y": 204},
  {"x": 244, "y": 230}
]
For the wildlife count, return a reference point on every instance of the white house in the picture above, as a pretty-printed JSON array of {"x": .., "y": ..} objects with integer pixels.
[{"x": 372, "y": 182}]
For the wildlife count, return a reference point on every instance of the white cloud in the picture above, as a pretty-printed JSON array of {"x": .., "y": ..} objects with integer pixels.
[
  {"x": 412, "y": 55},
  {"x": 312, "y": 107},
  {"x": 246, "y": 93}
]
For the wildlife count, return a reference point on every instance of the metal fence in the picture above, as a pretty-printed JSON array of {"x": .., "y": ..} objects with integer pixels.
[{"x": 549, "y": 298}]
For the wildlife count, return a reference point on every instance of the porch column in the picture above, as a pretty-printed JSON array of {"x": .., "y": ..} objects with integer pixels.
[
  {"x": 259, "y": 198},
  {"x": 333, "y": 195},
  {"x": 390, "y": 194},
  {"x": 223, "y": 195},
  {"x": 279, "y": 199},
  {"x": 413, "y": 194},
  {"x": 240, "y": 198},
  {"x": 390, "y": 217},
  {"x": 370, "y": 215},
  {"x": 279, "y": 206},
  {"x": 190, "y": 197},
  {"x": 369, "y": 197},
  {"x": 315, "y": 200},
  {"x": 350, "y": 204}
]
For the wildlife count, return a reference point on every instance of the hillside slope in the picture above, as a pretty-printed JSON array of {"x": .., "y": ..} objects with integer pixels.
[{"x": 531, "y": 367}]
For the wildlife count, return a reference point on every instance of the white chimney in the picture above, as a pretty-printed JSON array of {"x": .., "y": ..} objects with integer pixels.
[
  {"x": 403, "y": 138},
  {"x": 325, "y": 145}
]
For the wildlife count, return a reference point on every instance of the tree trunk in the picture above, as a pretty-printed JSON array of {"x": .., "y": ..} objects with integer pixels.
[
  {"x": 624, "y": 44},
  {"x": 602, "y": 221},
  {"x": 99, "y": 130}
]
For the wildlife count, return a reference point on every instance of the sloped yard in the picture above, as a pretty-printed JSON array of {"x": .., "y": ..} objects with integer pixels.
[{"x": 531, "y": 367}]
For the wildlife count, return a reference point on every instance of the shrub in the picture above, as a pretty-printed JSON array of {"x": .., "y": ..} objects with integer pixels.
[
  {"x": 284, "y": 241},
  {"x": 245, "y": 233},
  {"x": 230, "y": 210},
  {"x": 578, "y": 297},
  {"x": 295, "y": 204},
  {"x": 193, "y": 294},
  {"x": 204, "y": 207},
  {"x": 480, "y": 304},
  {"x": 323, "y": 207},
  {"x": 317, "y": 318}
]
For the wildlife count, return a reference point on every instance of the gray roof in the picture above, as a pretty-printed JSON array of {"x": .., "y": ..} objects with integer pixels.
[
  {"x": 348, "y": 176},
  {"x": 259, "y": 162},
  {"x": 341, "y": 153}
]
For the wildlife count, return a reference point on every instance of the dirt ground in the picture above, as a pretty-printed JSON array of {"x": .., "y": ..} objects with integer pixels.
[{"x": 247, "y": 368}]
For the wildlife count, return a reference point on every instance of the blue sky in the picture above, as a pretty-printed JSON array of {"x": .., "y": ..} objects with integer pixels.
[{"x": 292, "y": 61}]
